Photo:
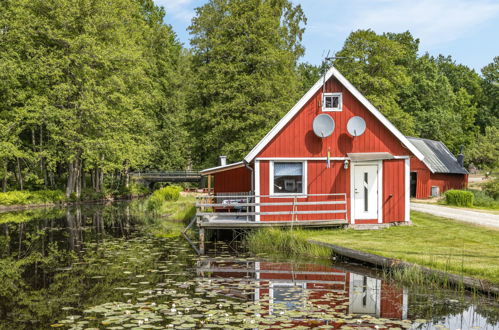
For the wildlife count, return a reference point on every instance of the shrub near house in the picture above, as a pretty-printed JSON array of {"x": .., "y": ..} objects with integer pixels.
[{"x": 459, "y": 197}]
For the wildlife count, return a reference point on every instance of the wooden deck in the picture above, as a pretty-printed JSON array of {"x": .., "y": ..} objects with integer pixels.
[{"x": 241, "y": 224}]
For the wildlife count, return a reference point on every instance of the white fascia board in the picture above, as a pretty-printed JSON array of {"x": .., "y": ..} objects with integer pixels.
[
  {"x": 221, "y": 168},
  {"x": 377, "y": 114},
  {"x": 287, "y": 118},
  {"x": 298, "y": 106}
]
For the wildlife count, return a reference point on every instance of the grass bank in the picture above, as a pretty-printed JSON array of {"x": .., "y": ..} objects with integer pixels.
[
  {"x": 170, "y": 210},
  {"x": 285, "y": 243},
  {"x": 24, "y": 197},
  {"x": 434, "y": 242}
]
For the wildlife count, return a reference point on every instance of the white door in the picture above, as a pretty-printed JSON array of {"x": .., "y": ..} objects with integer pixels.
[{"x": 365, "y": 192}]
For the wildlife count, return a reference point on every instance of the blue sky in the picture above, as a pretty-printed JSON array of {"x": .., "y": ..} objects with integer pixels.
[{"x": 468, "y": 30}]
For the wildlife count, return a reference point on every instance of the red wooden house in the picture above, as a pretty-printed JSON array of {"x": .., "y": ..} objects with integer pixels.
[
  {"x": 438, "y": 171},
  {"x": 358, "y": 174}
]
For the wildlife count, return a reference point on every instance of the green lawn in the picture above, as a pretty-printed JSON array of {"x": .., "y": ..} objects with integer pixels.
[{"x": 431, "y": 241}]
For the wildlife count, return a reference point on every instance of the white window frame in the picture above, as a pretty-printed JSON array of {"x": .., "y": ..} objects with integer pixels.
[
  {"x": 340, "y": 102},
  {"x": 303, "y": 183}
]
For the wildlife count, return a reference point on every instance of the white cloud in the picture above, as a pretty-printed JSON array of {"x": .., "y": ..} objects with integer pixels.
[
  {"x": 433, "y": 21},
  {"x": 180, "y": 9}
]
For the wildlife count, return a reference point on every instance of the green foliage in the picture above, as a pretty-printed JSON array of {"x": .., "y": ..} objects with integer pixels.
[
  {"x": 284, "y": 242},
  {"x": 160, "y": 196},
  {"x": 482, "y": 199},
  {"x": 379, "y": 66},
  {"x": 30, "y": 215},
  {"x": 424, "y": 96},
  {"x": 88, "y": 87},
  {"x": 491, "y": 188},
  {"x": 31, "y": 197},
  {"x": 244, "y": 61},
  {"x": 484, "y": 149},
  {"x": 459, "y": 198}
]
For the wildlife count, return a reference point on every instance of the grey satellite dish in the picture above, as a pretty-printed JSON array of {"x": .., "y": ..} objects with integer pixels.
[
  {"x": 356, "y": 126},
  {"x": 323, "y": 125}
]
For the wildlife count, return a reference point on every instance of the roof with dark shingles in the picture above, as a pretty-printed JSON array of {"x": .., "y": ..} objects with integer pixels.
[{"x": 437, "y": 157}]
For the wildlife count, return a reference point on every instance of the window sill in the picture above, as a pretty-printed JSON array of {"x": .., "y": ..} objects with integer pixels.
[{"x": 288, "y": 196}]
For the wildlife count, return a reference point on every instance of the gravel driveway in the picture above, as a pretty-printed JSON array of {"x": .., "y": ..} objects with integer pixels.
[{"x": 475, "y": 217}]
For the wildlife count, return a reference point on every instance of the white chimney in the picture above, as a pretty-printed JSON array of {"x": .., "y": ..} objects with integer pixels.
[{"x": 223, "y": 160}]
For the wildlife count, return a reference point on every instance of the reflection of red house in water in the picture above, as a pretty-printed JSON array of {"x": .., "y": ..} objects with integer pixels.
[{"x": 291, "y": 287}]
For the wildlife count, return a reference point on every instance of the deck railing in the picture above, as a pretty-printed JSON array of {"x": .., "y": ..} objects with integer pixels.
[{"x": 244, "y": 206}]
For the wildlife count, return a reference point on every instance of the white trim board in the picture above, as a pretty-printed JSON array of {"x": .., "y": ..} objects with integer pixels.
[
  {"x": 317, "y": 158},
  {"x": 222, "y": 168},
  {"x": 304, "y": 183},
  {"x": 301, "y": 103},
  {"x": 257, "y": 190},
  {"x": 407, "y": 192}
]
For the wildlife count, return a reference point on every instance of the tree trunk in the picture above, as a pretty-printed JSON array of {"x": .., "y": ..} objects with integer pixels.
[
  {"x": 74, "y": 178},
  {"x": 51, "y": 179},
  {"x": 101, "y": 180},
  {"x": 43, "y": 166},
  {"x": 70, "y": 183},
  {"x": 19, "y": 174},
  {"x": 4, "y": 180}
]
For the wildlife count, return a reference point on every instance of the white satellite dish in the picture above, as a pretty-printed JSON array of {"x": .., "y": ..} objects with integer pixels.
[
  {"x": 323, "y": 125},
  {"x": 356, "y": 126}
]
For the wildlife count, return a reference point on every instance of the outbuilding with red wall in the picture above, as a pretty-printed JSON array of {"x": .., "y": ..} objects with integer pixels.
[{"x": 438, "y": 172}]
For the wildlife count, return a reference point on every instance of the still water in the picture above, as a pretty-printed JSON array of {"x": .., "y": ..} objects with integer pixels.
[{"x": 103, "y": 267}]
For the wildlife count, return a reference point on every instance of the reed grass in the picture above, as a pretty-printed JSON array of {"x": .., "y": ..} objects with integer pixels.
[
  {"x": 434, "y": 242},
  {"x": 284, "y": 242}
]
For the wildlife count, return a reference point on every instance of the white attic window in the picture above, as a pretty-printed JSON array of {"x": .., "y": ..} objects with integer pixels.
[{"x": 332, "y": 102}]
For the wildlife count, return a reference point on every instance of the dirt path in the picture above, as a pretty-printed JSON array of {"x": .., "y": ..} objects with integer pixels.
[{"x": 475, "y": 217}]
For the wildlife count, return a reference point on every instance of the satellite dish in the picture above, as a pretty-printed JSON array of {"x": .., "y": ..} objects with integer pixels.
[
  {"x": 323, "y": 125},
  {"x": 356, "y": 126}
]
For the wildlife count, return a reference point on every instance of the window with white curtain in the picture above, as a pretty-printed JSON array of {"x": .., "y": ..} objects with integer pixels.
[{"x": 288, "y": 178}]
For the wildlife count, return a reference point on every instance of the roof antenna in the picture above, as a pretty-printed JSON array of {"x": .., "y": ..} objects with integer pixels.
[
  {"x": 324, "y": 63},
  {"x": 327, "y": 60}
]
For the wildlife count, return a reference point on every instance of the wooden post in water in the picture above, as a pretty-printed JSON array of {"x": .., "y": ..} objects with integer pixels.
[{"x": 201, "y": 240}]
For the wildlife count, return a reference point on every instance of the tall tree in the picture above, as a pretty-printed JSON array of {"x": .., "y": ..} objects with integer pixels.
[
  {"x": 91, "y": 87},
  {"x": 244, "y": 58},
  {"x": 489, "y": 112},
  {"x": 378, "y": 65}
]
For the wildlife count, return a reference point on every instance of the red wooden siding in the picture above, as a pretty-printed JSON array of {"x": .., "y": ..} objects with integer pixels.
[
  {"x": 426, "y": 179},
  {"x": 234, "y": 180},
  {"x": 393, "y": 199},
  {"x": 423, "y": 178},
  {"x": 298, "y": 140},
  {"x": 448, "y": 181},
  {"x": 321, "y": 180}
]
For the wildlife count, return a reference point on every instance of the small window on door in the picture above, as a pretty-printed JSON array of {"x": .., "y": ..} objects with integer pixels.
[{"x": 332, "y": 102}]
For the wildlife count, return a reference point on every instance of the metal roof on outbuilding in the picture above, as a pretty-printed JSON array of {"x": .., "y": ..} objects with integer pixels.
[{"x": 437, "y": 157}]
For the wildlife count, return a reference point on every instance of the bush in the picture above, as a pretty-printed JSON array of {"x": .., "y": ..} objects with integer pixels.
[
  {"x": 459, "y": 197},
  {"x": 483, "y": 200},
  {"x": 31, "y": 197},
  {"x": 491, "y": 188},
  {"x": 169, "y": 193}
]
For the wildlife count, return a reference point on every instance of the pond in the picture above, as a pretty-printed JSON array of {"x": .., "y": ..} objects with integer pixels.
[{"x": 102, "y": 266}]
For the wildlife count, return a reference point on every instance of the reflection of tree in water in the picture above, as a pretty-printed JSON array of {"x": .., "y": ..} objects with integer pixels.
[
  {"x": 70, "y": 258},
  {"x": 437, "y": 305}
]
